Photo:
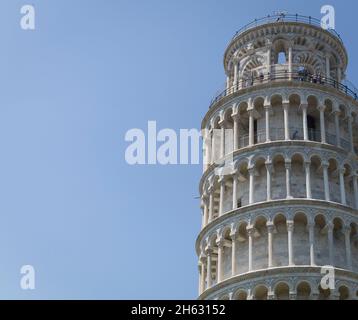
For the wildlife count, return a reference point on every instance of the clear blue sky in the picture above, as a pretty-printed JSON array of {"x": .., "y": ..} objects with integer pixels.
[{"x": 91, "y": 225}]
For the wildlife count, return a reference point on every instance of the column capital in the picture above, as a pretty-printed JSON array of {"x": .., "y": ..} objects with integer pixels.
[
  {"x": 235, "y": 116},
  {"x": 290, "y": 224},
  {"x": 208, "y": 250},
  {"x": 288, "y": 164},
  {"x": 202, "y": 258},
  {"x": 325, "y": 164},
  {"x": 222, "y": 123},
  {"x": 268, "y": 164},
  {"x": 321, "y": 107},
  {"x": 330, "y": 225},
  {"x": 220, "y": 242},
  {"x": 310, "y": 224},
  {"x": 347, "y": 229},
  {"x": 342, "y": 170},
  {"x": 233, "y": 235},
  {"x": 336, "y": 112},
  {"x": 250, "y": 230},
  {"x": 292, "y": 295},
  {"x": 285, "y": 104},
  {"x": 251, "y": 170},
  {"x": 222, "y": 180},
  {"x": 211, "y": 189},
  {"x": 270, "y": 226},
  {"x": 267, "y": 106}
]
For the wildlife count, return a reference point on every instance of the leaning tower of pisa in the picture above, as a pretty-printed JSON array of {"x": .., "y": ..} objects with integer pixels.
[{"x": 279, "y": 191}]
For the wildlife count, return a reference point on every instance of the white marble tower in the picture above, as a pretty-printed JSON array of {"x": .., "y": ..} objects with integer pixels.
[{"x": 288, "y": 205}]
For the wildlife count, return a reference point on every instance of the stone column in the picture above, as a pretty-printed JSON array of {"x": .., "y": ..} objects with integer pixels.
[
  {"x": 250, "y": 232},
  {"x": 211, "y": 203},
  {"x": 268, "y": 180},
  {"x": 330, "y": 243},
  {"x": 355, "y": 189},
  {"x": 233, "y": 236},
  {"x": 251, "y": 185},
  {"x": 339, "y": 75},
  {"x": 227, "y": 85},
  {"x": 347, "y": 238},
  {"x": 304, "y": 121},
  {"x": 288, "y": 179},
  {"x": 220, "y": 244},
  {"x": 267, "y": 121},
  {"x": 322, "y": 123},
  {"x": 328, "y": 73},
  {"x": 235, "y": 117},
  {"x": 342, "y": 186},
  {"x": 270, "y": 229},
  {"x": 251, "y": 128},
  {"x": 308, "y": 179},
  {"x": 208, "y": 145},
  {"x": 222, "y": 138},
  {"x": 290, "y": 244},
  {"x": 290, "y": 62},
  {"x": 311, "y": 241},
  {"x": 222, "y": 193},
  {"x": 236, "y": 72},
  {"x": 326, "y": 181},
  {"x": 206, "y": 210},
  {"x": 338, "y": 134},
  {"x": 350, "y": 132},
  {"x": 213, "y": 150},
  {"x": 208, "y": 267},
  {"x": 234, "y": 191},
  {"x": 202, "y": 275},
  {"x": 286, "y": 119}
]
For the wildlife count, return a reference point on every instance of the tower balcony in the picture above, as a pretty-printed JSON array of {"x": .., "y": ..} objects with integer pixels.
[
  {"x": 283, "y": 18},
  {"x": 280, "y": 73}
]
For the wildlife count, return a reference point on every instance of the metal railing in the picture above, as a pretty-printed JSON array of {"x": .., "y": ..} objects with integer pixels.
[
  {"x": 296, "y": 76},
  {"x": 281, "y": 18}
]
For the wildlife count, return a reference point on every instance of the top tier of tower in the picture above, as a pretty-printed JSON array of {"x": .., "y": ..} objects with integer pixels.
[{"x": 284, "y": 46}]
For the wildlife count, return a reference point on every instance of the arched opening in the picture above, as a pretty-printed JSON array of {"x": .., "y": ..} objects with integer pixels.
[
  {"x": 282, "y": 291},
  {"x": 277, "y": 132},
  {"x": 324, "y": 294},
  {"x": 334, "y": 187},
  {"x": 243, "y": 125},
  {"x": 260, "y": 244},
  {"x": 338, "y": 244},
  {"x": 295, "y": 116},
  {"x": 298, "y": 180},
  {"x": 227, "y": 254},
  {"x": 301, "y": 247},
  {"x": 321, "y": 241},
  {"x": 240, "y": 295},
  {"x": 313, "y": 119},
  {"x": 348, "y": 185},
  {"x": 329, "y": 122},
  {"x": 259, "y": 121},
  {"x": 243, "y": 187},
  {"x": 260, "y": 180},
  {"x": 280, "y": 243},
  {"x": 243, "y": 248},
  {"x": 303, "y": 291},
  {"x": 260, "y": 293},
  {"x": 343, "y": 293},
  {"x": 278, "y": 177},
  {"x": 354, "y": 246},
  {"x": 317, "y": 183}
]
